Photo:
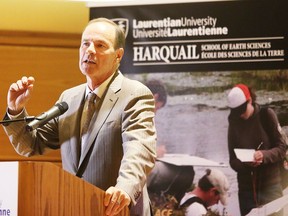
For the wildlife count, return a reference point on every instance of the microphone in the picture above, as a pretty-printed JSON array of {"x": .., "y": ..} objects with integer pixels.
[{"x": 57, "y": 110}]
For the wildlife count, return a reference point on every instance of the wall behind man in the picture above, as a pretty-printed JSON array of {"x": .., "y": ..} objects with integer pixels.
[
  {"x": 43, "y": 15},
  {"x": 39, "y": 38}
]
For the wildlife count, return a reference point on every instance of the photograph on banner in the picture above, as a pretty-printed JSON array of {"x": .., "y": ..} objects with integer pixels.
[{"x": 194, "y": 121}]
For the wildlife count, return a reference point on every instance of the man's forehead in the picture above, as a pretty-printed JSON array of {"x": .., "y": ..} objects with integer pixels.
[
  {"x": 100, "y": 26},
  {"x": 102, "y": 29}
]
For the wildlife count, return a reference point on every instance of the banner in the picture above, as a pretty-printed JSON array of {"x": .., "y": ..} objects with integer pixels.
[
  {"x": 190, "y": 55},
  {"x": 227, "y": 35}
]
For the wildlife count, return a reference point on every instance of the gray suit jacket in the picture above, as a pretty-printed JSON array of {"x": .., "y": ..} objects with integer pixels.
[{"x": 121, "y": 147}]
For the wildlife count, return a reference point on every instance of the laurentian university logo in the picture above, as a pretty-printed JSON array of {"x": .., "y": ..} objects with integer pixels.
[{"x": 123, "y": 23}]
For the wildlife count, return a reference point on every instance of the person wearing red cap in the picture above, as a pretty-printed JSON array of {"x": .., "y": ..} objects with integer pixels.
[{"x": 259, "y": 181}]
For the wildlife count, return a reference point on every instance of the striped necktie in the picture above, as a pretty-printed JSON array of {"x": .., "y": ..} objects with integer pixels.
[{"x": 87, "y": 114}]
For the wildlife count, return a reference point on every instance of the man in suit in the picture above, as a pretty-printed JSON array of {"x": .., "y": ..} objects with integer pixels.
[{"x": 119, "y": 152}]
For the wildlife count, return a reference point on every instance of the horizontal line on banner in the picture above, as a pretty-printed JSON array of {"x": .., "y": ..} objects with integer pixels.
[
  {"x": 206, "y": 62},
  {"x": 209, "y": 40}
]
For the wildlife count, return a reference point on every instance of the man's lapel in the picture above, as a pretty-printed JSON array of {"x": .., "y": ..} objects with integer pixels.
[
  {"x": 105, "y": 107},
  {"x": 72, "y": 127}
]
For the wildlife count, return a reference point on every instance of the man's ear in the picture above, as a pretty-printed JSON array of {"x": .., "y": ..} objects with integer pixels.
[
  {"x": 215, "y": 191},
  {"x": 120, "y": 53}
]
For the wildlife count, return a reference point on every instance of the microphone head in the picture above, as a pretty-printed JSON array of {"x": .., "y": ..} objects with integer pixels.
[
  {"x": 57, "y": 110},
  {"x": 62, "y": 106}
]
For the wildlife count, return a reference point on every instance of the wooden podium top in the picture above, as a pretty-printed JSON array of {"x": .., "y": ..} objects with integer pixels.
[{"x": 46, "y": 189}]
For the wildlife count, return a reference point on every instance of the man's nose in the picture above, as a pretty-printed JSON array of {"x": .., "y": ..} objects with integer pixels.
[{"x": 91, "y": 48}]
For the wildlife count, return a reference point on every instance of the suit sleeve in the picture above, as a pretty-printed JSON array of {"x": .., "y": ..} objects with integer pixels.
[
  {"x": 139, "y": 143},
  {"x": 36, "y": 142}
]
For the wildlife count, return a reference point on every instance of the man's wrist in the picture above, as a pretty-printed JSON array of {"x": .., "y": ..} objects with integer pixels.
[{"x": 13, "y": 113}]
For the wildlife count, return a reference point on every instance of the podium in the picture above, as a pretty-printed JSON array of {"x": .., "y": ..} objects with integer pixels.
[{"x": 45, "y": 189}]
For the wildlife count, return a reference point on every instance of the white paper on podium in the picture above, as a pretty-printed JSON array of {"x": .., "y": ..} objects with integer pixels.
[
  {"x": 9, "y": 188},
  {"x": 245, "y": 155},
  {"x": 270, "y": 208},
  {"x": 187, "y": 160}
]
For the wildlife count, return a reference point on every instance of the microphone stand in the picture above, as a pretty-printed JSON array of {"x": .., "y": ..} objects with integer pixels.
[{"x": 26, "y": 119}]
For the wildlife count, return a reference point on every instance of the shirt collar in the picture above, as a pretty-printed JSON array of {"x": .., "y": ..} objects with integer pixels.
[{"x": 99, "y": 91}]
